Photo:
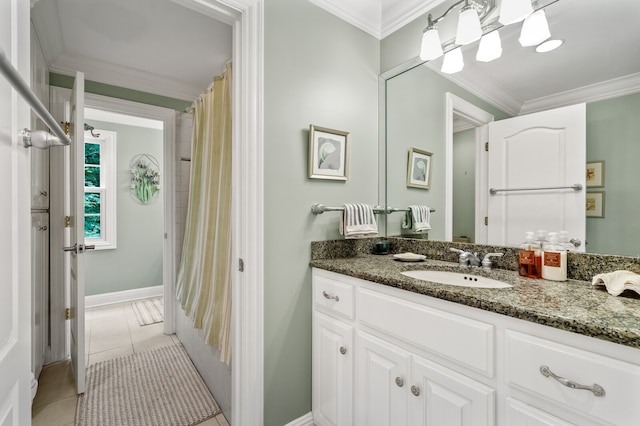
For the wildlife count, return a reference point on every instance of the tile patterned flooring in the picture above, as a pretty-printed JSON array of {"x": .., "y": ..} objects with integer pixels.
[{"x": 110, "y": 331}]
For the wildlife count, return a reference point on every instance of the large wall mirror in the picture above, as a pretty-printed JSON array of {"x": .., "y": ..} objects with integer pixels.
[{"x": 444, "y": 114}]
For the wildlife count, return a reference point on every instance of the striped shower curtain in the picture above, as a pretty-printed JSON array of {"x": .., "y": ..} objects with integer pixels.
[{"x": 204, "y": 275}]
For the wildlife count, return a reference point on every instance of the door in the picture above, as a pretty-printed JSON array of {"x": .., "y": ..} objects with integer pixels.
[
  {"x": 542, "y": 150},
  {"x": 440, "y": 396},
  {"x": 332, "y": 371},
  {"x": 76, "y": 243},
  {"x": 383, "y": 380}
]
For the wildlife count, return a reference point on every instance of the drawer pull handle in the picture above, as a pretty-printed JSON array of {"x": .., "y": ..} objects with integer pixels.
[
  {"x": 415, "y": 390},
  {"x": 399, "y": 382},
  {"x": 343, "y": 350},
  {"x": 595, "y": 388},
  {"x": 328, "y": 296}
]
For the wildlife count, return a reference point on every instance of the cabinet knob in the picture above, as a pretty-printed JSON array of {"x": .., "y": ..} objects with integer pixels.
[
  {"x": 415, "y": 390},
  {"x": 44, "y": 193},
  {"x": 343, "y": 350},
  {"x": 399, "y": 382},
  {"x": 42, "y": 228},
  {"x": 328, "y": 296}
]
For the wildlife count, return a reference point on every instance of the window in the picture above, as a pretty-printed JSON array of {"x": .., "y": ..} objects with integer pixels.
[{"x": 100, "y": 189}]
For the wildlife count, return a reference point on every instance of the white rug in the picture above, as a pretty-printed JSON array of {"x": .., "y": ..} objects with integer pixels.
[
  {"x": 159, "y": 387},
  {"x": 149, "y": 311}
]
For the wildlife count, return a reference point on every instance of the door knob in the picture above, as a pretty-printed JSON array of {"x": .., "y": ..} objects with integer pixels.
[
  {"x": 79, "y": 248},
  {"x": 415, "y": 390},
  {"x": 399, "y": 382}
]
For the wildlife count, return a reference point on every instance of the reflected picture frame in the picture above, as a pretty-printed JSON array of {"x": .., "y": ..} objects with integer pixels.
[
  {"x": 595, "y": 174},
  {"x": 328, "y": 153},
  {"x": 419, "y": 169},
  {"x": 595, "y": 204}
]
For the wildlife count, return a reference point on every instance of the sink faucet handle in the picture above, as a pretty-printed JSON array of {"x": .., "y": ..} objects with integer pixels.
[
  {"x": 457, "y": 250},
  {"x": 464, "y": 256},
  {"x": 486, "y": 262}
]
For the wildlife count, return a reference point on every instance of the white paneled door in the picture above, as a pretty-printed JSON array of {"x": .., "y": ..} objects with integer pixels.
[
  {"x": 76, "y": 243},
  {"x": 15, "y": 224},
  {"x": 545, "y": 149}
]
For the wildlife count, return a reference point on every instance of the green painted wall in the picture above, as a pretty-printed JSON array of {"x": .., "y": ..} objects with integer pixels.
[
  {"x": 318, "y": 70},
  {"x": 613, "y": 135},
  {"x": 416, "y": 118},
  {"x": 464, "y": 184},
  {"x": 96, "y": 88},
  {"x": 137, "y": 260}
]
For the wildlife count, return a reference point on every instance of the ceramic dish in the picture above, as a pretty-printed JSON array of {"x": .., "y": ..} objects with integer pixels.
[{"x": 409, "y": 257}]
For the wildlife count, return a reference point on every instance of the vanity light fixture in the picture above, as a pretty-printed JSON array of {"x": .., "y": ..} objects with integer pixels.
[
  {"x": 535, "y": 29},
  {"x": 453, "y": 61},
  {"x": 469, "y": 28},
  {"x": 490, "y": 47},
  {"x": 512, "y": 11},
  {"x": 549, "y": 45}
]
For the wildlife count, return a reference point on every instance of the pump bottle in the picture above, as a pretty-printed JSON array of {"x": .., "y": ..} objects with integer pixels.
[
  {"x": 554, "y": 259},
  {"x": 530, "y": 258}
]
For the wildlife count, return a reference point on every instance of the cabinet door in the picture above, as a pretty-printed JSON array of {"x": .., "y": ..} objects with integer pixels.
[
  {"x": 440, "y": 396},
  {"x": 332, "y": 371},
  {"x": 382, "y": 378},
  {"x": 519, "y": 413}
]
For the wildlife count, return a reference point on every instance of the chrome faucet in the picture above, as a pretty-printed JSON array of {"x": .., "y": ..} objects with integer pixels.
[
  {"x": 471, "y": 259},
  {"x": 467, "y": 258}
]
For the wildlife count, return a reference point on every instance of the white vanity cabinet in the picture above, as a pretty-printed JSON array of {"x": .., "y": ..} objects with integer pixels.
[{"x": 412, "y": 359}]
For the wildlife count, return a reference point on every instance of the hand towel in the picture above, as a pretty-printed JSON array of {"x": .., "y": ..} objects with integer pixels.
[
  {"x": 417, "y": 219},
  {"x": 358, "y": 221},
  {"x": 618, "y": 281}
]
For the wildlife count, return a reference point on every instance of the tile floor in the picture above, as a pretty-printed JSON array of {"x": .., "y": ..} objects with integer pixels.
[{"x": 111, "y": 331}]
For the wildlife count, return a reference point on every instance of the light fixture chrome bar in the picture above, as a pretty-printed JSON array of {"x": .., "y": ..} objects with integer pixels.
[
  {"x": 318, "y": 208},
  {"x": 18, "y": 83},
  {"x": 575, "y": 187},
  {"x": 394, "y": 209}
]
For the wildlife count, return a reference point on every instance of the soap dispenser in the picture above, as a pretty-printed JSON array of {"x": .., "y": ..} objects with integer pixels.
[
  {"x": 554, "y": 259},
  {"x": 530, "y": 258},
  {"x": 563, "y": 239}
]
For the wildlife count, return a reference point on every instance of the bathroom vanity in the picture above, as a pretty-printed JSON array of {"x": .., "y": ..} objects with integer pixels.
[{"x": 393, "y": 350}]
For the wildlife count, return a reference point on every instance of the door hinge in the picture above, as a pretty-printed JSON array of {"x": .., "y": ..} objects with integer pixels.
[
  {"x": 486, "y": 146},
  {"x": 486, "y": 220},
  {"x": 67, "y": 314},
  {"x": 240, "y": 265},
  {"x": 67, "y": 221}
]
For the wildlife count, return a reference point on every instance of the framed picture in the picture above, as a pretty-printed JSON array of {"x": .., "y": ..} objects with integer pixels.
[
  {"x": 328, "y": 153},
  {"x": 419, "y": 169},
  {"x": 595, "y": 174},
  {"x": 595, "y": 204}
]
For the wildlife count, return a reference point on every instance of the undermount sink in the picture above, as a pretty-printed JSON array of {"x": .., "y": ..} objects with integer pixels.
[{"x": 457, "y": 279}]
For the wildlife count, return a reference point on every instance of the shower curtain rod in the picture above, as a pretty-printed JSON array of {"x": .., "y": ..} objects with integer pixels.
[{"x": 18, "y": 83}]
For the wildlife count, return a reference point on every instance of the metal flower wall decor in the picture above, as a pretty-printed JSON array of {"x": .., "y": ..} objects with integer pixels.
[{"x": 145, "y": 178}]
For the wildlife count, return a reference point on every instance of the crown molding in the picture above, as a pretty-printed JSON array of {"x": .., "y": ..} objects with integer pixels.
[
  {"x": 365, "y": 17},
  {"x": 596, "y": 92},
  {"x": 402, "y": 12},
  {"x": 107, "y": 73}
]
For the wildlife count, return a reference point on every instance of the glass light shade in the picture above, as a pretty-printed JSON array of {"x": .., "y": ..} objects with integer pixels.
[
  {"x": 431, "y": 47},
  {"x": 549, "y": 45},
  {"x": 469, "y": 29},
  {"x": 490, "y": 47},
  {"x": 535, "y": 29},
  {"x": 512, "y": 11},
  {"x": 453, "y": 61}
]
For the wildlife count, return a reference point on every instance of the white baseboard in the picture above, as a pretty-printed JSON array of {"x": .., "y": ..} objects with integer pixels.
[
  {"x": 122, "y": 296},
  {"x": 306, "y": 420}
]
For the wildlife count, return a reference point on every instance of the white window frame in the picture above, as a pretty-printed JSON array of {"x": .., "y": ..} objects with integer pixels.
[{"x": 107, "y": 190}]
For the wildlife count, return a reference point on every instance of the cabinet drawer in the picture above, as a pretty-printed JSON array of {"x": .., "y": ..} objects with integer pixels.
[
  {"x": 454, "y": 337},
  {"x": 526, "y": 355},
  {"x": 333, "y": 296}
]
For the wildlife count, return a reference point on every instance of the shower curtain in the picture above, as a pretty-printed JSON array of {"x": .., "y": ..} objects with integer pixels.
[{"x": 204, "y": 276}]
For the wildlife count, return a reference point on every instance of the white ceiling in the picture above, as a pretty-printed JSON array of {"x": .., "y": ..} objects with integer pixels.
[{"x": 156, "y": 46}]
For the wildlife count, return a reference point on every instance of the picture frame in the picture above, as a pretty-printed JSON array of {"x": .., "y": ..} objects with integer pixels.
[
  {"x": 419, "y": 169},
  {"x": 595, "y": 174},
  {"x": 328, "y": 153},
  {"x": 595, "y": 204}
]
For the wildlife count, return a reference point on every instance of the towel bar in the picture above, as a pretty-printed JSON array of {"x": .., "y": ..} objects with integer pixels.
[
  {"x": 318, "y": 208},
  {"x": 394, "y": 209}
]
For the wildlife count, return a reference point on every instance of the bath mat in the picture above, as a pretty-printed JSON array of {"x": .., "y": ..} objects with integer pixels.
[
  {"x": 159, "y": 387},
  {"x": 149, "y": 311}
]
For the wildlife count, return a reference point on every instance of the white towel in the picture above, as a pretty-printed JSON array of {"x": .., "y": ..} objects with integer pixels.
[
  {"x": 618, "y": 281},
  {"x": 358, "y": 221},
  {"x": 417, "y": 219}
]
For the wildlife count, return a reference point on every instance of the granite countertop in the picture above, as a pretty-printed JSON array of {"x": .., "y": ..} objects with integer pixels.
[{"x": 574, "y": 306}]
